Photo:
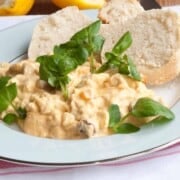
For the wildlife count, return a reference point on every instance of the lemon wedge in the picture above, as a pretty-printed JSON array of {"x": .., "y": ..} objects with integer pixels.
[
  {"x": 82, "y": 4},
  {"x": 15, "y": 7}
]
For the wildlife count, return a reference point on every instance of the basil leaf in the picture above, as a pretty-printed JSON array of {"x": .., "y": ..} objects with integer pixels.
[
  {"x": 80, "y": 55},
  {"x": 114, "y": 115},
  {"x": 125, "y": 128},
  {"x": 123, "y": 44},
  {"x": 7, "y": 95},
  {"x": 87, "y": 32},
  {"x": 84, "y": 45},
  {"x": 55, "y": 81},
  {"x": 94, "y": 28},
  {"x": 123, "y": 69},
  {"x": 123, "y": 64},
  {"x": 97, "y": 43},
  {"x": 47, "y": 67},
  {"x": 63, "y": 81},
  {"x": 146, "y": 107},
  {"x": 109, "y": 56},
  {"x": 91, "y": 40},
  {"x": 103, "y": 68},
  {"x": 66, "y": 65},
  {"x": 117, "y": 124},
  {"x": 10, "y": 118},
  {"x": 3, "y": 81},
  {"x": 113, "y": 62},
  {"x": 159, "y": 121},
  {"x": 60, "y": 83},
  {"x": 71, "y": 50},
  {"x": 22, "y": 113},
  {"x": 132, "y": 69}
]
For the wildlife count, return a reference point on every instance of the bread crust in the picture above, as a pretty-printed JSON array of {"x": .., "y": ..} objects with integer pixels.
[
  {"x": 162, "y": 75},
  {"x": 167, "y": 72},
  {"x": 119, "y": 10},
  {"x": 56, "y": 29},
  {"x": 154, "y": 75},
  {"x": 158, "y": 60}
]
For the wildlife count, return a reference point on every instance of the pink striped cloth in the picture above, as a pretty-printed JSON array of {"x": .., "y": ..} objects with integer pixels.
[{"x": 10, "y": 168}]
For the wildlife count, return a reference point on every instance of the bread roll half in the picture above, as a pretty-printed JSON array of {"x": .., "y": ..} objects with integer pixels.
[
  {"x": 119, "y": 10},
  {"x": 156, "y": 43},
  {"x": 56, "y": 29}
]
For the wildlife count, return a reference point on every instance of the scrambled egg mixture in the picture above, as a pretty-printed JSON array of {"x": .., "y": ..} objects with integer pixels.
[{"x": 84, "y": 114}]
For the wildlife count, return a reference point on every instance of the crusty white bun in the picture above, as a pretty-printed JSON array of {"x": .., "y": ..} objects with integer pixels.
[
  {"x": 119, "y": 10},
  {"x": 56, "y": 29},
  {"x": 156, "y": 43}
]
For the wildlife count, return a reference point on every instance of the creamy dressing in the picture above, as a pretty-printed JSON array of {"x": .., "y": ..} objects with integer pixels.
[{"x": 84, "y": 114}]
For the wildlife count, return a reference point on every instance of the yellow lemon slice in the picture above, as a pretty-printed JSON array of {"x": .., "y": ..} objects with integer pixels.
[
  {"x": 15, "y": 7},
  {"x": 82, "y": 4}
]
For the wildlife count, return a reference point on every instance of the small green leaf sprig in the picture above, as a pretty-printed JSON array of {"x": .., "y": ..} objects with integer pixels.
[
  {"x": 7, "y": 94},
  {"x": 144, "y": 107},
  {"x": 84, "y": 45},
  {"x": 116, "y": 59}
]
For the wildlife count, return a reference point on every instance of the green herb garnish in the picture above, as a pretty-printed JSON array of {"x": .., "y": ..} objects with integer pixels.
[
  {"x": 21, "y": 112},
  {"x": 3, "y": 81},
  {"x": 84, "y": 45},
  {"x": 116, "y": 59},
  {"x": 114, "y": 115},
  {"x": 7, "y": 94},
  {"x": 10, "y": 118},
  {"x": 117, "y": 124},
  {"x": 125, "y": 128},
  {"x": 91, "y": 40},
  {"x": 144, "y": 107}
]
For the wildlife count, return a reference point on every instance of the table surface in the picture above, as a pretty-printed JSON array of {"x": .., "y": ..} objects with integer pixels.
[{"x": 43, "y": 7}]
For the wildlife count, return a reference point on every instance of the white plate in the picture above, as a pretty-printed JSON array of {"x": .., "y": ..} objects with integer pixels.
[{"x": 19, "y": 147}]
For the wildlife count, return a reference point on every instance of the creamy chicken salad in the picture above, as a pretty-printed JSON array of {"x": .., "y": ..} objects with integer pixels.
[{"x": 72, "y": 95}]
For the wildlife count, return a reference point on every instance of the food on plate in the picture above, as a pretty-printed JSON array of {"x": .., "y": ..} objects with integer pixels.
[
  {"x": 82, "y": 4},
  {"x": 156, "y": 44},
  {"x": 69, "y": 94},
  {"x": 56, "y": 29},
  {"x": 156, "y": 36},
  {"x": 115, "y": 11},
  {"x": 15, "y": 7}
]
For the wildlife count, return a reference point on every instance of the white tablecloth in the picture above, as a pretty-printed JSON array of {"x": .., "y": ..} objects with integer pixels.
[{"x": 162, "y": 165}]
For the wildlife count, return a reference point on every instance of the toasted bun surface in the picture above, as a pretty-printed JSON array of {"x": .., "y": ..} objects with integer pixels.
[
  {"x": 119, "y": 10},
  {"x": 56, "y": 29},
  {"x": 156, "y": 43}
]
